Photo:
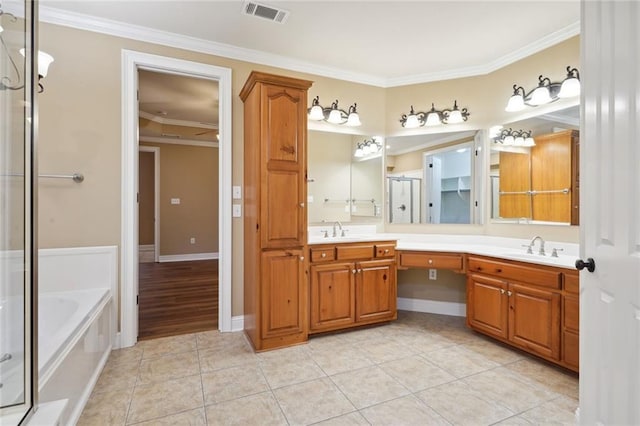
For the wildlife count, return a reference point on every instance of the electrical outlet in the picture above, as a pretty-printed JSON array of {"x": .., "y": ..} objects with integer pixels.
[
  {"x": 433, "y": 274},
  {"x": 175, "y": 201},
  {"x": 236, "y": 210},
  {"x": 192, "y": 240}
]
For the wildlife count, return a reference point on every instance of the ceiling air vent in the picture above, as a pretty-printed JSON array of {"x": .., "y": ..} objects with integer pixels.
[{"x": 267, "y": 12}]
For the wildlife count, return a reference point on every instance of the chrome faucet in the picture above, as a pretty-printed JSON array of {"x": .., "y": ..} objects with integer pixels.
[
  {"x": 5, "y": 357},
  {"x": 337, "y": 222},
  {"x": 533, "y": 241}
]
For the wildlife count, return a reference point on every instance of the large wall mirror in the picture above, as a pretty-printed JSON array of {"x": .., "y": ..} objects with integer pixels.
[
  {"x": 534, "y": 169},
  {"x": 344, "y": 175},
  {"x": 432, "y": 178}
]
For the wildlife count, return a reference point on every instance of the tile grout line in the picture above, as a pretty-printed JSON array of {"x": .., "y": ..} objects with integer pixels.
[{"x": 204, "y": 401}]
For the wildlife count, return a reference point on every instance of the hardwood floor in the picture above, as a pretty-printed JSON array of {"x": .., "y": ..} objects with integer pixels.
[{"x": 177, "y": 298}]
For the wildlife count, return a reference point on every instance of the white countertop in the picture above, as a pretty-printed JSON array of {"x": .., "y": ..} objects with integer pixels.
[{"x": 506, "y": 248}]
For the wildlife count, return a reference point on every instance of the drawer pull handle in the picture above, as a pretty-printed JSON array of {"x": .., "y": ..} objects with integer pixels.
[
  {"x": 502, "y": 291},
  {"x": 354, "y": 271},
  {"x": 323, "y": 255},
  {"x": 386, "y": 251}
]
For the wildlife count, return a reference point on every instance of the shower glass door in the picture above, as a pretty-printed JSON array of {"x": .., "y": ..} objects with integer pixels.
[{"x": 16, "y": 212}]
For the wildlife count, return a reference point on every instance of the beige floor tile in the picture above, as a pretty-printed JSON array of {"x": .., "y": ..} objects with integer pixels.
[
  {"x": 460, "y": 404},
  {"x": 514, "y": 421},
  {"x": 338, "y": 359},
  {"x": 232, "y": 383},
  {"x": 361, "y": 334},
  {"x": 168, "y": 367},
  {"x": 187, "y": 418},
  {"x": 225, "y": 357},
  {"x": 327, "y": 341},
  {"x": 158, "y": 400},
  {"x": 126, "y": 355},
  {"x": 351, "y": 419},
  {"x": 118, "y": 375},
  {"x": 284, "y": 373},
  {"x": 385, "y": 349},
  {"x": 495, "y": 351},
  {"x": 457, "y": 334},
  {"x": 313, "y": 401},
  {"x": 290, "y": 354},
  {"x": 260, "y": 409},
  {"x": 560, "y": 411},
  {"x": 511, "y": 389},
  {"x": 416, "y": 373},
  {"x": 369, "y": 386},
  {"x": 552, "y": 378},
  {"x": 423, "y": 342},
  {"x": 215, "y": 339},
  {"x": 460, "y": 361},
  {"x": 106, "y": 408},
  {"x": 168, "y": 345},
  {"x": 407, "y": 410}
]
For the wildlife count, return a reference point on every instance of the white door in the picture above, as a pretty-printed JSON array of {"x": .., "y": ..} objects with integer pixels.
[
  {"x": 400, "y": 200},
  {"x": 610, "y": 214}
]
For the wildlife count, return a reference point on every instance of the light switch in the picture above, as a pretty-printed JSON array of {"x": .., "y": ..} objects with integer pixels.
[
  {"x": 237, "y": 192},
  {"x": 237, "y": 210},
  {"x": 175, "y": 201},
  {"x": 309, "y": 198}
]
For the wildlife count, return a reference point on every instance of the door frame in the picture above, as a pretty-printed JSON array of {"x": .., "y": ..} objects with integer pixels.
[
  {"x": 156, "y": 198},
  {"x": 132, "y": 61}
]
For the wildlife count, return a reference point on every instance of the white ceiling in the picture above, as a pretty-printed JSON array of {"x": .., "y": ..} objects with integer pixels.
[{"x": 378, "y": 42}]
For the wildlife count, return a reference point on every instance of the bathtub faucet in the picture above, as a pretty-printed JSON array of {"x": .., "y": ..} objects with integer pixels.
[{"x": 5, "y": 357}]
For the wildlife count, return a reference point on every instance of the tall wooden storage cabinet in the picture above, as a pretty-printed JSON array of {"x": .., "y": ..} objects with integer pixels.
[{"x": 275, "y": 213}]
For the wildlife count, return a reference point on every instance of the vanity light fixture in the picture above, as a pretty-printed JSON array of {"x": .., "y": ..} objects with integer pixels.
[
  {"x": 519, "y": 138},
  {"x": 333, "y": 114},
  {"x": 546, "y": 91},
  {"x": 434, "y": 117},
  {"x": 367, "y": 147},
  {"x": 44, "y": 60}
]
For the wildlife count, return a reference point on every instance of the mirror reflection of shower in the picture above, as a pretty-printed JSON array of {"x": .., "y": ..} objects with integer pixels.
[{"x": 404, "y": 199}]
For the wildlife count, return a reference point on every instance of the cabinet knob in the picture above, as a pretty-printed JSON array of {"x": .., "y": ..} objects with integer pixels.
[
  {"x": 360, "y": 270},
  {"x": 386, "y": 251},
  {"x": 430, "y": 261},
  {"x": 502, "y": 291},
  {"x": 302, "y": 205},
  {"x": 323, "y": 254},
  {"x": 509, "y": 293},
  {"x": 354, "y": 271},
  {"x": 301, "y": 258}
]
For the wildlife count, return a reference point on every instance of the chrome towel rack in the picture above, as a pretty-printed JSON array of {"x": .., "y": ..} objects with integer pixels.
[{"x": 76, "y": 177}]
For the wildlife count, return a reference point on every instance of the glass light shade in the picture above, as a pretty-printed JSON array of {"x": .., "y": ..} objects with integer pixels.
[
  {"x": 353, "y": 119},
  {"x": 44, "y": 60},
  {"x": 316, "y": 113},
  {"x": 374, "y": 148},
  {"x": 508, "y": 140},
  {"x": 516, "y": 103},
  {"x": 570, "y": 88},
  {"x": 529, "y": 141},
  {"x": 412, "y": 122},
  {"x": 433, "y": 119},
  {"x": 540, "y": 96},
  {"x": 366, "y": 149},
  {"x": 1, "y": 29},
  {"x": 455, "y": 117},
  {"x": 518, "y": 141},
  {"x": 359, "y": 153},
  {"x": 335, "y": 117}
]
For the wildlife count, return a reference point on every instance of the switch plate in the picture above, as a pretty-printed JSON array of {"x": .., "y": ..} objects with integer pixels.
[
  {"x": 309, "y": 198},
  {"x": 192, "y": 240},
  {"x": 175, "y": 201},
  {"x": 237, "y": 192},
  {"x": 237, "y": 210},
  {"x": 433, "y": 274}
]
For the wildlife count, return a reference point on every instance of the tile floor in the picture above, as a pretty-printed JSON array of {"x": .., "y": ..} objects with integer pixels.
[{"x": 423, "y": 369}]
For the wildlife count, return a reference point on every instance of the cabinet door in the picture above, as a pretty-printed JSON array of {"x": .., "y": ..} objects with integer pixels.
[
  {"x": 534, "y": 320},
  {"x": 333, "y": 298},
  {"x": 283, "y": 189},
  {"x": 487, "y": 305},
  {"x": 375, "y": 290},
  {"x": 283, "y": 298}
]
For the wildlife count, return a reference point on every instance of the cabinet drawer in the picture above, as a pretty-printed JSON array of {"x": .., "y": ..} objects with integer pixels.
[
  {"x": 425, "y": 259},
  {"x": 356, "y": 251},
  {"x": 324, "y": 254},
  {"x": 572, "y": 283},
  {"x": 385, "y": 250},
  {"x": 536, "y": 275},
  {"x": 572, "y": 313}
]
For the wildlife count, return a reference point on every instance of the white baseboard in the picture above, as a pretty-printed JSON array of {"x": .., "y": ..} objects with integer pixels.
[
  {"x": 186, "y": 257},
  {"x": 432, "y": 307},
  {"x": 146, "y": 253},
  {"x": 237, "y": 323}
]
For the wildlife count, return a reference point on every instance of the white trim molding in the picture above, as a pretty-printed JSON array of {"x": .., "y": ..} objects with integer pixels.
[
  {"x": 174, "y": 141},
  {"x": 237, "y": 323},
  {"x": 187, "y": 257},
  {"x": 176, "y": 122},
  {"x": 156, "y": 198},
  {"x": 131, "y": 62},
  {"x": 432, "y": 307}
]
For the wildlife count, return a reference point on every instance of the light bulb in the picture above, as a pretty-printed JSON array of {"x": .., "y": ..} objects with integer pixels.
[
  {"x": 335, "y": 117},
  {"x": 516, "y": 103},
  {"x": 412, "y": 122},
  {"x": 316, "y": 113},
  {"x": 433, "y": 119},
  {"x": 455, "y": 117},
  {"x": 540, "y": 96},
  {"x": 353, "y": 119},
  {"x": 570, "y": 88}
]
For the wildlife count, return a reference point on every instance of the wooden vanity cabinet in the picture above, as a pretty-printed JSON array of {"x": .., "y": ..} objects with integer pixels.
[
  {"x": 571, "y": 320},
  {"x": 275, "y": 214},
  {"x": 517, "y": 303},
  {"x": 352, "y": 284}
]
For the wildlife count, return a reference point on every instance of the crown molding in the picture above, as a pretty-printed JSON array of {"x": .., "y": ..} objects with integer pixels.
[
  {"x": 173, "y": 141},
  {"x": 175, "y": 122},
  {"x": 115, "y": 28}
]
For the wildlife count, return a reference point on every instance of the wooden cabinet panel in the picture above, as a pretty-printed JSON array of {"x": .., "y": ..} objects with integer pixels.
[
  {"x": 425, "y": 259},
  {"x": 571, "y": 350},
  {"x": 534, "y": 320},
  {"x": 514, "y": 177},
  {"x": 571, "y": 313},
  {"x": 284, "y": 126},
  {"x": 333, "y": 298},
  {"x": 323, "y": 254},
  {"x": 376, "y": 290},
  {"x": 538, "y": 275},
  {"x": 385, "y": 250},
  {"x": 282, "y": 219},
  {"x": 572, "y": 282},
  {"x": 354, "y": 251},
  {"x": 284, "y": 296},
  {"x": 487, "y": 304}
]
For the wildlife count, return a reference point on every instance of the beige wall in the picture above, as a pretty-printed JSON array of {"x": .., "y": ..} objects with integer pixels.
[
  {"x": 189, "y": 173},
  {"x": 80, "y": 129},
  {"x": 146, "y": 189}
]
